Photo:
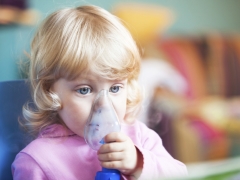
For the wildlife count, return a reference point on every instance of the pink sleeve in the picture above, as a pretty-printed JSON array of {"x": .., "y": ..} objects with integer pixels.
[
  {"x": 25, "y": 167},
  {"x": 157, "y": 161}
]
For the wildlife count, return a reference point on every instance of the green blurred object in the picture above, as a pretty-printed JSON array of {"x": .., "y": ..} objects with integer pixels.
[
  {"x": 14, "y": 40},
  {"x": 228, "y": 169}
]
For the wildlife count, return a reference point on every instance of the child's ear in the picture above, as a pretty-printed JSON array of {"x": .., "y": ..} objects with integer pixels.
[
  {"x": 51, "y": 88},
  {"x": 56, "y": 101}
]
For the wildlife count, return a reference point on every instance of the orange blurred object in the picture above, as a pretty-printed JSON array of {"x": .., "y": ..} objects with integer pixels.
[
  {"x": 9, "y": 14},
  {"x": 144, "y": 21}
]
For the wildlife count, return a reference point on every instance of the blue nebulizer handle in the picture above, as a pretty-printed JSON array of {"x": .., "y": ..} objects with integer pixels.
[
  {"x": 108, "y": 174},
  {"x": 102, "y": 121}
]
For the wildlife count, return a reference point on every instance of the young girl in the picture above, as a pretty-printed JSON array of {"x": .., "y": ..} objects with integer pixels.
[{"x": 76, "y": 53}]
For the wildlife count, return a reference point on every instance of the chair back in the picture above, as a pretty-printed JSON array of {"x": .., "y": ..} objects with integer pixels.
[{"x": 13, "y": 95}]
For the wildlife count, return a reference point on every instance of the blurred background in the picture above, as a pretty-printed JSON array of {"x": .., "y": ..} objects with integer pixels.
[{"x": 190, "y": 71}]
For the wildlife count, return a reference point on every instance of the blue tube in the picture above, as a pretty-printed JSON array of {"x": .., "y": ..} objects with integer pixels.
[{"x": 108, "y": 174}]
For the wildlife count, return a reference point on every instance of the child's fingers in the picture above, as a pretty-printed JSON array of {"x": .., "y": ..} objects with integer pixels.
[
  {"x": 111, "y": 147},
  {"x": 115, "y": 137},
  {"x": 112, "y": 164},
  {"x": 115, "y": 156}
]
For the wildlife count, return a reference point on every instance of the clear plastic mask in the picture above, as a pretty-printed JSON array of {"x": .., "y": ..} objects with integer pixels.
[{"x": 102, "y": 121}]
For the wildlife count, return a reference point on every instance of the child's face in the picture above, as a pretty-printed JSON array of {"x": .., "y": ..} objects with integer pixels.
[{"x": 77, "y": 97}]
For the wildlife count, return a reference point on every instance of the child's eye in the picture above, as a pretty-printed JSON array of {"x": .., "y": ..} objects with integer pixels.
[
  {"x": 114, "y": 89},
  {"x": 84, "y": 90}
]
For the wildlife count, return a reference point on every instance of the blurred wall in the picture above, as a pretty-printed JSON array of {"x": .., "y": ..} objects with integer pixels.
[{"x": 192, "y": 17}]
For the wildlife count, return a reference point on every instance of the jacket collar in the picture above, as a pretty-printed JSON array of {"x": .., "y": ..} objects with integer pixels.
[{"x": 54, "y": 131}]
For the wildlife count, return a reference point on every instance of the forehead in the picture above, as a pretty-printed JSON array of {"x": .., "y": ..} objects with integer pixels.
[{"x": 92, "y": 76}]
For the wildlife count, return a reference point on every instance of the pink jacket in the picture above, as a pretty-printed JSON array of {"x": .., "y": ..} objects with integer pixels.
[{"x": 60, "y": 154}]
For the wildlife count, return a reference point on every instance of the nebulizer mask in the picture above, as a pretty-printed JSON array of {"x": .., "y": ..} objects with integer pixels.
[{"x": 102, "y": 121}]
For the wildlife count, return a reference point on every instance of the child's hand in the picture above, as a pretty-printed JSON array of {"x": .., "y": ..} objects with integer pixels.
[{"x": 120, "y": 153}]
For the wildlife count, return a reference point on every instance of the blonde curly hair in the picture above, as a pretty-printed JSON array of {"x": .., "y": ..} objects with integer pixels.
[{"x": 70, "y": 41}]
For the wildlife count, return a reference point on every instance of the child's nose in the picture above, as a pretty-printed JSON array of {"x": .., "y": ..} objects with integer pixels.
[{"x": 100, "y": 99}]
